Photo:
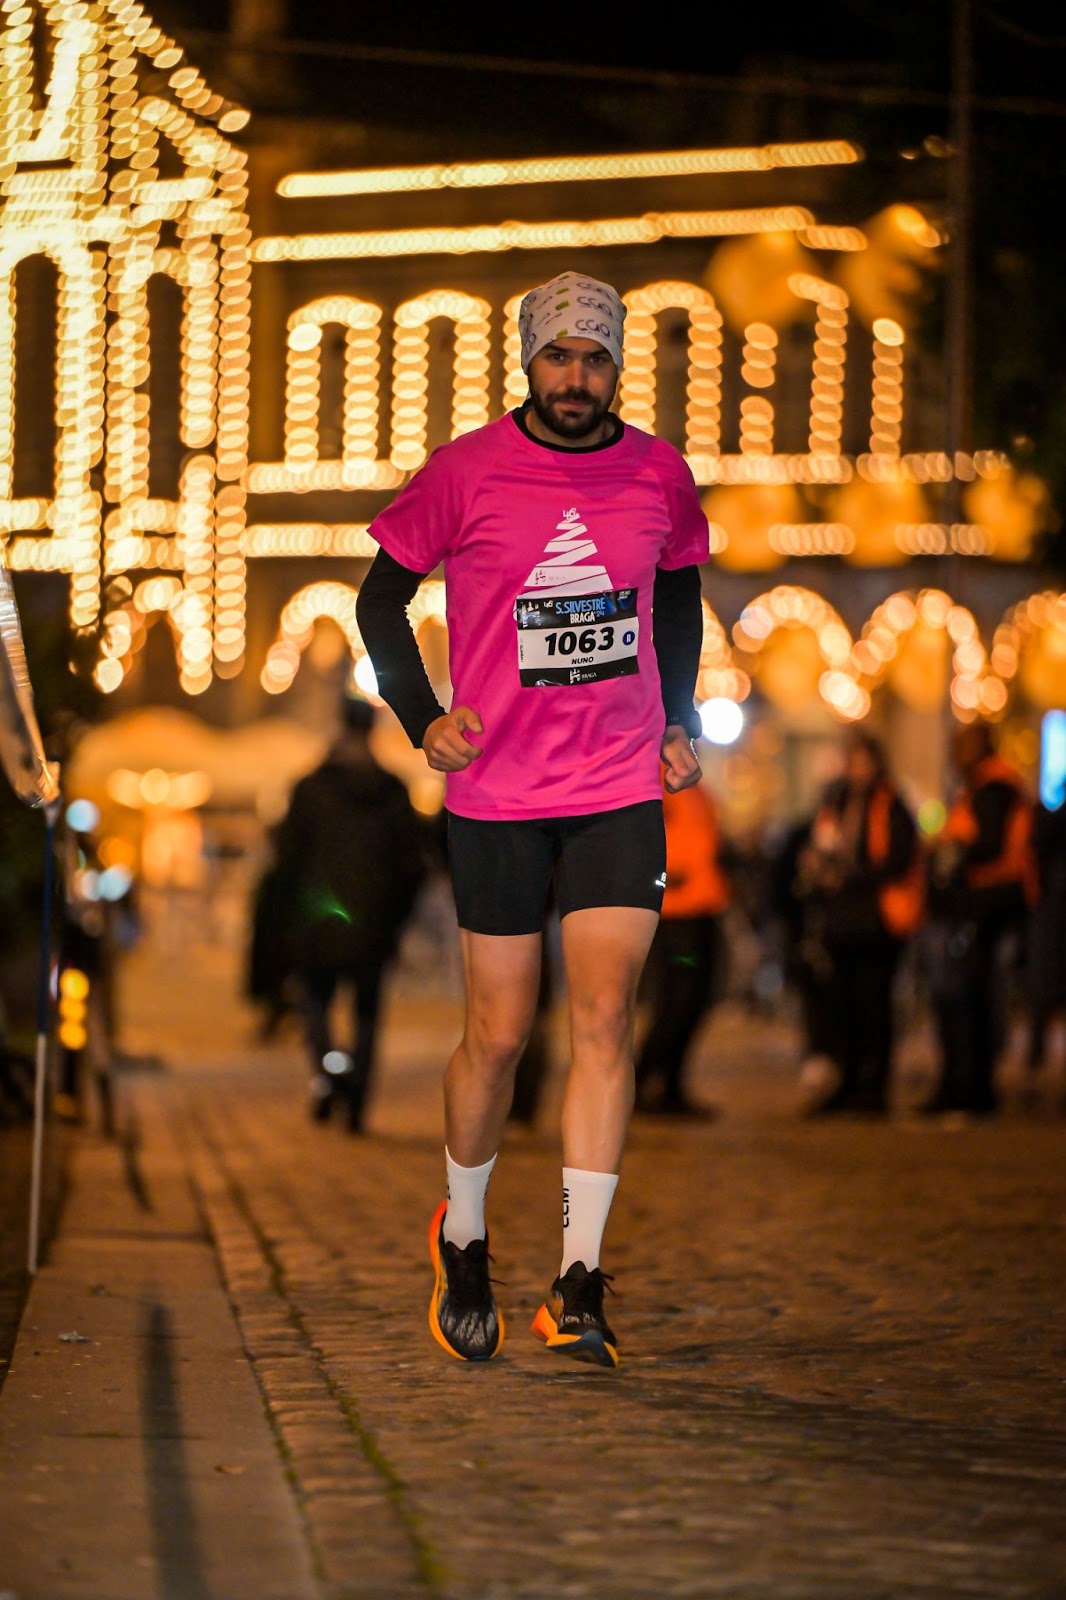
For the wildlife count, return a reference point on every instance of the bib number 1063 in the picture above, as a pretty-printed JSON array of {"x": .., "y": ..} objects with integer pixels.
[
  {"x": 569, "y": 643},
  {"x": 575, "y": 639}
]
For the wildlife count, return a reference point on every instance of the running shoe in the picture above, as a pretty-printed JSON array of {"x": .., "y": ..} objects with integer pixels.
[
  {"x": 462, "y": 1313},
  {"x": 572, "y": 1320}
]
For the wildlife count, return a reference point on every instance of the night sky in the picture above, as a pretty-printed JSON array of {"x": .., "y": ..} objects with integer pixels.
[{"x": 1019, "y": 45}]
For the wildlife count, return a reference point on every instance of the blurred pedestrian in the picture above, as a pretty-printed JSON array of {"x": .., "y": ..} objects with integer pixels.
[
  {"x": 686, "y": 967},
  {"x": 796, "y": 935},
  {"x": 350, "y": 854},
  {"x": 861, "y": 875},
  {"x": 570, "y": 543},
  {"x": 99, "y": 922},
  {"x": 268, "y": 979},
  {"x": 983, "y": 887}
]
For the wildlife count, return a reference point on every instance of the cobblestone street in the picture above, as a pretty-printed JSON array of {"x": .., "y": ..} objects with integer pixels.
[{"x": 842, "y": 1342}]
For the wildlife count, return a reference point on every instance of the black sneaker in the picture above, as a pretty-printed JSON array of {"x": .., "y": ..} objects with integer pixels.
[
  {"x": 572, "y": 1320},
  {"x": 462, "y": 1313}
]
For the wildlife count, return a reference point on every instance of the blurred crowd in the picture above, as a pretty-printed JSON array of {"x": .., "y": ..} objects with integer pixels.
[
  {"x": 863, "y": 925},
  {"x": 973, "y": 911},
  {"x": 854, "y": 922}
]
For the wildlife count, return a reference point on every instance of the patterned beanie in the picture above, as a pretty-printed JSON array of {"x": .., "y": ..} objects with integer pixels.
[{"x": 571, "y": 306}]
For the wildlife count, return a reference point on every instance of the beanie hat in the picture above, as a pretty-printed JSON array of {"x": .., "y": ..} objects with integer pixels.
[{"x": 571, "y": 306}]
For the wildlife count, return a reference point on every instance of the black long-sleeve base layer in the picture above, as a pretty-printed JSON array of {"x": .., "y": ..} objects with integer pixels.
[{"x": 389, "y": 588}]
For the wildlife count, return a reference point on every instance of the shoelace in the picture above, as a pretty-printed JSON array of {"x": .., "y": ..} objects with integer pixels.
[
  {"x": 468, "y": 1273},
  {"x": 597, "y": 1275},
  {"x": 587, "y": 1296}
]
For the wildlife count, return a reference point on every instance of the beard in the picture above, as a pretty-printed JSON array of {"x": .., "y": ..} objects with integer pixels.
[{"x": 570, "y": 427}]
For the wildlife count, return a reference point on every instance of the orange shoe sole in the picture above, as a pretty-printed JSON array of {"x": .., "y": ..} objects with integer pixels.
[
  {"x": 589, "y": 1346},
  {"x": 439, "y": 1284}
]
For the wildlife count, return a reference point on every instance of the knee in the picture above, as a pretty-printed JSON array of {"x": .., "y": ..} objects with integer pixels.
[
  {"x": 602, "y": 1022},
  {"x": 494, "y": 1044}
]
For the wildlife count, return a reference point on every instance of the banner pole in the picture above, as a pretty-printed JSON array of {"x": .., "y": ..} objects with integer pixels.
[{"x": 41, "y": 1072}]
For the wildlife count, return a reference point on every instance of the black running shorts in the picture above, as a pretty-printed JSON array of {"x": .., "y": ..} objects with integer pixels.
[{"x": 502, "y": 872}]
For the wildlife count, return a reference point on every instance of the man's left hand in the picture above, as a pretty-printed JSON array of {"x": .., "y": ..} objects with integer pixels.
[{"x": 679, "y": 759}]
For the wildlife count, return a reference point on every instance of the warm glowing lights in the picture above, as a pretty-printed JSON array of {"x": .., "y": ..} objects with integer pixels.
[
  {"x": 821, "y": 237},
  {"x": 118, "y": 183},
  {"x": 759, "y": 356},
  {"x": 296, "y": 630},
  {"x": 565, "y": 169},
  {"x": 359, "y": 425},
  {"x": 924, "y": 644},
  {"x": 801, "y": 651},
  {"x": 756, "y": 426},
  {"x": 810, "y": 538},
  {"x": 143, "y": 195},
  {"x": 157, "y": 789},
  {"x": 308, "y": 539},
  {"x": 410, "y": 380},
  {"x": 1029, "y": 647},
  {"x": 72, "y": 1032},
  {"x": 495, "y": 238},
  {"x": 886, "y": 422},
  {"x": 887, "y": 278},
  {"x": 910, "y": 222},
  {"x": 638, "y": 386},
  {"x": 1010, "y": 508},
  {"x": 827, "y": 375}
]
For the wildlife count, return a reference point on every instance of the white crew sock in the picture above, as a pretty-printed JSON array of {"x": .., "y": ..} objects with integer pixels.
[
  {"x": 587, "y": 1199},
  {"x": 465, "y": 1217}
]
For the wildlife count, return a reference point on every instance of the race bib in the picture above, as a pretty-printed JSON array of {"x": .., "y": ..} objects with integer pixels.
[{"x": 570, "y": 638}]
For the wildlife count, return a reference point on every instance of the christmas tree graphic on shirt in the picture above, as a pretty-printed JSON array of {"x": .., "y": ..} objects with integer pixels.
[{"x": 574, "y": 629}]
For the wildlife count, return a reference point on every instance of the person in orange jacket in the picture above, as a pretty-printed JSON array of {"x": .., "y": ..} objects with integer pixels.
[
  {"x": 983, "y": 884},
  {"x": 686, "y": 967}
]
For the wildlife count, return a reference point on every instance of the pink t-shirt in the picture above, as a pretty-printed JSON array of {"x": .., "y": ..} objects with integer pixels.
[{"x": 549, "y": 559}]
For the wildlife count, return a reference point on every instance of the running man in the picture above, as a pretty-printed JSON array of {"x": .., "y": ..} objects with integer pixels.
[{"x": 570, "y": 545}]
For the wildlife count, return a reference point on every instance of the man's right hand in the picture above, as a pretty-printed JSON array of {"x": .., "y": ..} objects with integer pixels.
[{"x": 446, "y": 747}]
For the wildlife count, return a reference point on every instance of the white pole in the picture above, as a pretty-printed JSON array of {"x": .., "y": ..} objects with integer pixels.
[{"x": 43, "y": 1010}]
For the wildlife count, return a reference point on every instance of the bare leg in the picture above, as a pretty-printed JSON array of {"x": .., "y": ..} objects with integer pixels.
[
  {"x": 502, "y": 977},
  {"x": 604, "y": 951}
]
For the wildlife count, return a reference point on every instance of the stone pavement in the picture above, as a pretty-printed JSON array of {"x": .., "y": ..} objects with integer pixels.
[{"x": 843, "y": 1343}]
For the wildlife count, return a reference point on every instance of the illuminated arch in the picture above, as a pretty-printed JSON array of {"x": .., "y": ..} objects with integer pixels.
[
  {"x": 125, "y": 628},
  {"x": 637, "y": 387},
  {"x": 471, "y": 317},
  {"x": 1029, "y": 650},
  {"x": 73, "y": 514},
  {"x": 337, "y": 602},
  {"x": 788, "y": 607},
  {"x": 361, "y": 321},
  {"x": 929, "y": 647},
  {"x": 129, "y": 358},
  {"x": 296, "y": 629}
]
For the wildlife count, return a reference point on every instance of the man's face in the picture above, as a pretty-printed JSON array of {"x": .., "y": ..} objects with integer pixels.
[{"x": 571, "y": 386}]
